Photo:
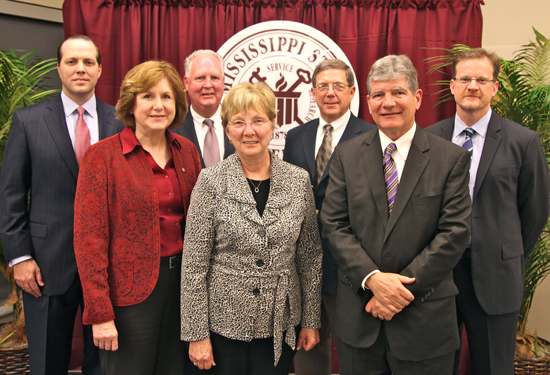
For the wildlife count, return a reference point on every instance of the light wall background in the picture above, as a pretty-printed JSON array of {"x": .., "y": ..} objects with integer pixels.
[{"x": 507, "y": 24}]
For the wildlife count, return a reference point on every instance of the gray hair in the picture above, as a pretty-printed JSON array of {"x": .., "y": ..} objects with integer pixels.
[
  {"x": 393, "y": 67},
  {"x": 197, "y": 53},
  {"x": 333, "y": 64}
]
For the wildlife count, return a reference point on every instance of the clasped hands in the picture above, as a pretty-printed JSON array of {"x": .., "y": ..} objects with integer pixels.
[{"x": 390, "y": 295}]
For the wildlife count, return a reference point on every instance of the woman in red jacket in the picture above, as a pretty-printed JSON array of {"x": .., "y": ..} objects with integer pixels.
[{"x": 132, "y": 197}]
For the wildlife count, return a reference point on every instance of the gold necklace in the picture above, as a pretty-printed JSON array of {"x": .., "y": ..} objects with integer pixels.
[{"x": 256, "y": 188}]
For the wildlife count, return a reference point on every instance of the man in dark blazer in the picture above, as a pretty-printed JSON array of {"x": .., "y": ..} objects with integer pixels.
[
  {"x": 509, "y": 185},
  {"x": 395, "y": 249},
  {"x": 333, "y": 90},
  {"x": 204, "y": 84},
  {"x": 38, "y": 236}
]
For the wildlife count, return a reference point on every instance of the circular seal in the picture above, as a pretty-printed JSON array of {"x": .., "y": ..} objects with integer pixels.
[{"x": 282, "y": 54}]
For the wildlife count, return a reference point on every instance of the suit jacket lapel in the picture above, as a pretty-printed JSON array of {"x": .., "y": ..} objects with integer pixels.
[
  {"x": 414, "y": 167},
  {"x": 57, "y": 125},
  {"x": 446, "y": 129},
  {"x": 105, "y": 120},
  {"x": 308, "y": 143},
  {"x": 372, "y": 157},
  {"x": 492, "y": 140}
]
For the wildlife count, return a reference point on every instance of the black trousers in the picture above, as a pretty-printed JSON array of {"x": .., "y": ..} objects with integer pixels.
[
  {"x": 491, "y": 338},
  {"x": 50, "y": 324},
  {"x": 234, "y": 357},
  {"x": 378, "y": 359},
  {"x": 149, "y": 332}
]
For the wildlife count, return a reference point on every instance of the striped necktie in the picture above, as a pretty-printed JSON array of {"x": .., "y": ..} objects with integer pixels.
[
  {"x": 324, "y": 153},
  {"x": 390, "y": 174},
  {"x": 468, "y": 145}
]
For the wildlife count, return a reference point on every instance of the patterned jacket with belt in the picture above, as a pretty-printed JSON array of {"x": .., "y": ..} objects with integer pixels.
[{"x": 245, "y": 276}]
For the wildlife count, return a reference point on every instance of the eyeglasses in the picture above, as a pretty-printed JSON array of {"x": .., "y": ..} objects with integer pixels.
[
  {"x": 240, "y": 124},
  {"x": 336, "y": 87},
  {"x": 480, "y": 80}
]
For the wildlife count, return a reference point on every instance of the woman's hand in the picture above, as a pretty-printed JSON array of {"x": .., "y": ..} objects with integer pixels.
[
  {"x": 309, "y": 337},
  {"x": 105, "y": 335},
  {"x": 200, "y": 353}
]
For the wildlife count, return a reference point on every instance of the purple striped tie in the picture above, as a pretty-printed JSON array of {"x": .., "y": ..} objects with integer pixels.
[{"x": 390, "y": 174}]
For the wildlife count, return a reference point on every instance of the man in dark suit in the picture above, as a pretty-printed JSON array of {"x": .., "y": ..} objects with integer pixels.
[
  {"x": 396, "y": 218},
  {"x": 203, "y": 125},
  {"x": 310, "y": 146},
  {"x": 509, "y": 186},
  {"x": 42, "y": 155}
]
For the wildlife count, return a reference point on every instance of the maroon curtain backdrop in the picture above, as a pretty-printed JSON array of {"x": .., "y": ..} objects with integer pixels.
[{"x": 132, "y": 31}]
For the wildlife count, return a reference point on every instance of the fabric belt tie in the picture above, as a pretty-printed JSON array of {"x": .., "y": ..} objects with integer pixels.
[{"x": 281, "y": 295}]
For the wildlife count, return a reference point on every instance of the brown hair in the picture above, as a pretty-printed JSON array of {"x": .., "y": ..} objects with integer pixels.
[
  {"x": 140, "y": 79},
  {"x": 78, "y": 36},
  {"x": 333, "y": 64},
  {"x": 478, "y": 53},
  {"x": 246, "y": 95}
]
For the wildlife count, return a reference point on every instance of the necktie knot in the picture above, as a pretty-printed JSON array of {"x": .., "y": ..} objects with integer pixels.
[
  {"x": 469, "y": 132},
  {"x": 390, "y": 149},
  {"x": 209, "y": 123},
  {"x": 327, "y": 129},
  {"x": 81, "y": 111}
]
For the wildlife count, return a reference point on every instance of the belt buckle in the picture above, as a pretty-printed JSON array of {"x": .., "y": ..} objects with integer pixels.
[{"x": 170, "y": 266}]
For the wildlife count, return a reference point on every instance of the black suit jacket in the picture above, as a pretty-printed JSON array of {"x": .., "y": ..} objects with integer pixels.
[
  {"x": 300, "y": 151},
  {"x": 424, "y": 237},
  {"x": 187, "y": 130},
  {"x": 510, "y": 209},
  {"x": 39, "y": 157}
]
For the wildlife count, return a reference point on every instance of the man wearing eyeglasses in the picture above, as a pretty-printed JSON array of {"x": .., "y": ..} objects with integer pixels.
[
  {"x": 509, "y": 186},
  {"x": 310, "y": 146}
]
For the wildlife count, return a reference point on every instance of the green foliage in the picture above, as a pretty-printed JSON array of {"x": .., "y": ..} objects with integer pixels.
[
  {"x": 21, "y": 85},
  {"x": 523, "y": 97}
]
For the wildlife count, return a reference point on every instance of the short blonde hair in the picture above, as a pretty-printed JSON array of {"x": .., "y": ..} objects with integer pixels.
[
  {"x": 246, "y": 95},
  {"x": 140, "y": 79}
]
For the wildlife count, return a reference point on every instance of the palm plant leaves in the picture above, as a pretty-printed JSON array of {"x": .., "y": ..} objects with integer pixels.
[{"x": 21, "y": 85}]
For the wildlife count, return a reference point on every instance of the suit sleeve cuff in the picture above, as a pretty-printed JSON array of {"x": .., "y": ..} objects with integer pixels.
[
  {"x": 20, "y": 259},
  {"x": 364, "y": 283}
]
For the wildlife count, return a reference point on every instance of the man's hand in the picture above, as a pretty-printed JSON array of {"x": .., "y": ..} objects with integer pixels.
[
  {"x": 389, "y": 290},
  {"x": 308, "y": 338},
  {"x": 27, "y": 275},
  {"x": 201, "y": 354},
  {"x": 105, "y": 335},
  {"x": 378, "y": 310}
]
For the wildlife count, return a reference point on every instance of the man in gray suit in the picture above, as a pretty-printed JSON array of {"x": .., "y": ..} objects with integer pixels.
[
  {"x": 310, "y": 146},
  {"x": 42, "y": 157},
  {"x": 203, "y": 125},
  {"x": 509, "y": 186},
  {"x": 396, "y": 218}
]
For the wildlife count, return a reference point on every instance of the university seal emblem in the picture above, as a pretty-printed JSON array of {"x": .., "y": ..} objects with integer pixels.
[{"x": 283, "y": 55}]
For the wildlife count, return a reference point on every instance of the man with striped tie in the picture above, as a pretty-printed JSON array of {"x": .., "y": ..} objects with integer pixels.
[
  {"x": 509, "y": 186},
  {"x": 397, "y": 218}
]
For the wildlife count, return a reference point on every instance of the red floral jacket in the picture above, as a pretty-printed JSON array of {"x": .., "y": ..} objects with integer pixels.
[{"x": 116, "y": 224}]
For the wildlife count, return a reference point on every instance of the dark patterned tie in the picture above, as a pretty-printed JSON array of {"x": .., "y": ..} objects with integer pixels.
[
  {"x": 211, "y": 152},
  {"x": 468, "y": 145},
  {"x": 324, "y": 153},
  {"x": 81, "y": 136},
  {"x": 390, "y": 174}
]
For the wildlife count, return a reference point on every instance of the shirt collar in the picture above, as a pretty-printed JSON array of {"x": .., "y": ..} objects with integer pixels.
[
  {"x": 200, "y": 119},
  {"x": 130, "y": 142},
  {"x": 69, "y": 106},
  {"x": 336, "y": 124},
  {"x": 480, "y": 126},
  {"x": 403, "y": 144}
]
